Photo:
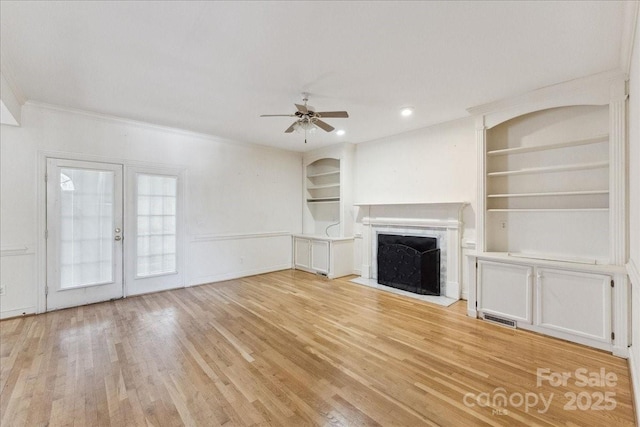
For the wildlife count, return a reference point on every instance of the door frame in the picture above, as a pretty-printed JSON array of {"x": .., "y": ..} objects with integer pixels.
[{"x": 41, "y": 215}]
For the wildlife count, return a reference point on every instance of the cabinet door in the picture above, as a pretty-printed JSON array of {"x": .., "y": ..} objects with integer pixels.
[
  {"x": 505, "y": 290},
  {"x": 302, "y": 252},
  {"x": 320, "y": 256},
  {"x": 574, "y": 302}
]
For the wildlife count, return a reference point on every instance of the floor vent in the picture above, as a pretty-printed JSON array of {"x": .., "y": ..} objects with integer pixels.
[{"x": 500, "y": 320}]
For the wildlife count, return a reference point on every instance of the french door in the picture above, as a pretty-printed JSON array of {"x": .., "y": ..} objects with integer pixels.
[{"x": 84, "y": 232}]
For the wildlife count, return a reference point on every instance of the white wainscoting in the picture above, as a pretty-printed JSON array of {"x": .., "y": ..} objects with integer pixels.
[
  {"x": 218, "y": 257},
  {"x": 17, "y": 277}
]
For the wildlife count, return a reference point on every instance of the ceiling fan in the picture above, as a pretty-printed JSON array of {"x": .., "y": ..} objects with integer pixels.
[{"x": 308, "y": 119}]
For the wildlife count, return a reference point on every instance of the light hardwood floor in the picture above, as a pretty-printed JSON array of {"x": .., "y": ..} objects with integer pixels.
[{"x": 292, "y": 349}]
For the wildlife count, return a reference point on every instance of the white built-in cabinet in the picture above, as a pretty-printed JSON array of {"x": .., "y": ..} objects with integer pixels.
[
  {"x": 325, "y": 245},
  {"x": 505, "y": 290},
  {"x": 551, "y": 229},
  {"x": 331, "y": 256},
  {"x": 591, "y": 319},
  {"x": 540, "y": 298}
]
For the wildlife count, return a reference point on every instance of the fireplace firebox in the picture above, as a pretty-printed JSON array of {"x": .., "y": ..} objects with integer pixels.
[{"x": 409, "y": 263}]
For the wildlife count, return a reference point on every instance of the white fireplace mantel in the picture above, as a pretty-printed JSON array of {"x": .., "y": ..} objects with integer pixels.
[{"x": 442, "y": 220}]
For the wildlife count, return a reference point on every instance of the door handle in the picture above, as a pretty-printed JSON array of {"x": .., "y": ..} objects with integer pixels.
[{"x": 118, "y": 238}]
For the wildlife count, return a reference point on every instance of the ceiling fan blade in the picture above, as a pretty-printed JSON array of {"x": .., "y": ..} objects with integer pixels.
[
  {"x": 302, "y": 108},
  {"x": 277, "y": 115},
  {"x": 323, "y": 125},
  {"x": 335, "y": 114},
  {"x": 290, "y": 128}
]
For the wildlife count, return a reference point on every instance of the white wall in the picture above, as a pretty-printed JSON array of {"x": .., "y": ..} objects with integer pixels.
[
  {"x": 634, "y": 209},
  {"x": 10, "y": 106},
  {"x": 241, "y": 200},
  {"x": 434, "y": 164},
  {"x": 430, "y": 165}
]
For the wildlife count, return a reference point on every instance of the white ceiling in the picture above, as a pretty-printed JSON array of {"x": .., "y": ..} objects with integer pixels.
[{"x": 214, "y": 67}]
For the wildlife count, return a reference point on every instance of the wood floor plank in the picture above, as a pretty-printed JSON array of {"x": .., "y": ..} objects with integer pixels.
[{"x": 291, "y": 349}]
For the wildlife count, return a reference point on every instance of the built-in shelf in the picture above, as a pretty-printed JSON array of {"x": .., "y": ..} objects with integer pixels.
[
  {"x": 324, "y": 200},
  {"x": 551, "y": 210},
  {"x": 432, "y": 204},
  {"x": 552, "y": 193},
  {"x": 564, "y": 144},
  {"x": 548, "y": 169},
  {"x": 317, "y": 175},
  {"x": 550, "y": 223},
  {"x": 320, "y": 187},
  {"x": 324, "y": 196},
  {"x": 553, "y": 257}
]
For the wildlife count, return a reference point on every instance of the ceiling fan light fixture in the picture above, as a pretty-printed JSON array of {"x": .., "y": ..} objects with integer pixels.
[
  {"x": 308, "y": 120},
  {"x": 302, "y": 126},
  {"x": 340, "y": 132}
]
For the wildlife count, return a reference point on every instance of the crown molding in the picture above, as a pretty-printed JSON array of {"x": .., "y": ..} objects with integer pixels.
[
  {"x": 629, "y": 28},
  {"x": 147, "y": 125}
]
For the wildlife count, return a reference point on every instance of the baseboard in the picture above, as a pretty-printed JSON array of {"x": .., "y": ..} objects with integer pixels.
[
  {"x": 237, "y": 274},
  {"x": 17, "y": 312},
  {"x": 634, "y": 371}
]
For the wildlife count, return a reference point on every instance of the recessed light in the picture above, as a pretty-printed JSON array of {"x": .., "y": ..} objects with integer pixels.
[
  {"x": 406, "y": 111},
  {"x": 340, "y": 132}
]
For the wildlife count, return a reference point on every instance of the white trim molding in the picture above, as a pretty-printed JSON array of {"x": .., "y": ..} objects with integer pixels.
[
  {"x": 24, "y": 311},
  {"x": 205, "y": 280},
  {"x": 412, "y": 222},
  {"x": 144, "y": 125},
  {"x": 634, "y": 274},
  {"x": 629, "y": 28},
  {"x": 15, "y": 251},
  {"x": 219, "y": 237},
  {"x": 590, "y": 90},
  {"x": 617, "y": 175}
]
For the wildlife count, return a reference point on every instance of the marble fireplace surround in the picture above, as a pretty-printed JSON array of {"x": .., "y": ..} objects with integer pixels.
[{"x": 440, "y": 220}]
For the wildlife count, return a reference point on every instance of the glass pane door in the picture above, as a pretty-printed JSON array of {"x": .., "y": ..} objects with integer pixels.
[
  {"x": 153, "y": 261},
  {"x": 84, "y": 223}
]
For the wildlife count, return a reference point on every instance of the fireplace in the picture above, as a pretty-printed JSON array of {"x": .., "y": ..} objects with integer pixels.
[
  {"x": 442, "y": 221},
  {"x": 409, "y": 263}
]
